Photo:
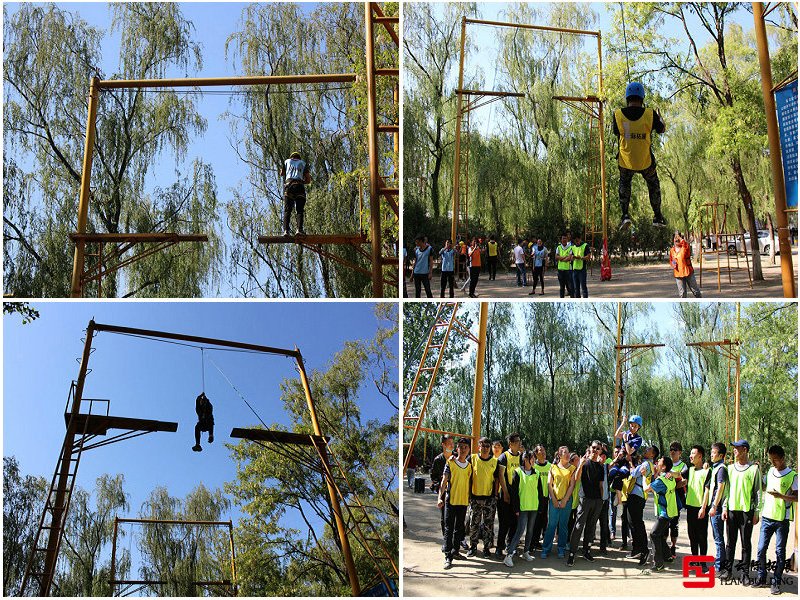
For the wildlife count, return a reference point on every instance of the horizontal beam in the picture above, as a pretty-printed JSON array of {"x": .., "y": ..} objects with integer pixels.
[
  {"x": 533, "y": 27},
  {"x": 577, "y": 98},
  {"x": 160, "y": 582},
  {"x": 279, "y": 437},
  {"x": 194, "y": 339},
  {"x": 713, "y": 344},
  {"x": 439, "y": 431},
  {"x": 174, "y": 522},
  {"x": 634, "y": 346},
  {"x": 313, "y": 239},
  {"x": 138, "y": 237},
  {"x": 112, "y": 84},
  {"x": 100, "y": 424},
  {"x": 490, "y": 93}
]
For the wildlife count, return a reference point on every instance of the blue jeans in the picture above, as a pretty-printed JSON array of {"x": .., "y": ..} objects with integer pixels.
[
  {"x": 522, "y": 274},
  {"x": 718, "y": 530},
  {"x": 579, "y": 283},
  {"x": 557, "y": 517},
  {"x": 525, "y": 523},
  {"x": 781, "y": 531}
]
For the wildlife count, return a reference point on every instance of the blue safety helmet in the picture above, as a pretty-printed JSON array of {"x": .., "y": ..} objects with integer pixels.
[
  {"x": 634, "y": 88},
  {"x": 635, "y": 419}
]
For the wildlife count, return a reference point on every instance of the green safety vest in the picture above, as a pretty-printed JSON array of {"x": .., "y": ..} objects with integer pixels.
[
  {"x": 563, "y": 252},
  {"x": 543, "y": 471},
  {"x": 695, "y": 487},
  {"x": 775, "y": 508},
  {"x": 528, "y": 493},
  {"x": 575, "y": 491},
  {"x": 672, "y": 503},
  {"x": 578, "y": 252},
  {"x": 740, "y": 487},
  {"x": 512, "y": 462}
]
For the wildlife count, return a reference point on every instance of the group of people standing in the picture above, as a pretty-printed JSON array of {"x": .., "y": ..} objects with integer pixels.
[{"x": 544, "y": 506}]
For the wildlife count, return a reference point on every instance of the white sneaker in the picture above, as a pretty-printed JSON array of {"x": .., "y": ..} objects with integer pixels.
[
  {"x": 527, "y": 556},
  {"x": 507, "y": 561}
]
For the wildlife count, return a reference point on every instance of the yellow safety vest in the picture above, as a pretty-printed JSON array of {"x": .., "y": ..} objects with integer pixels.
[
  {"x": 483, "y": 475},
  {"x": 577, "y": 264},
  {"x": 672, "y": 504},
  {"x": 528, "y": 492},
  {"x": 459, "y": 483},
  {"x": 775, "y": 508},
  {"x": 741, "y": 484},
  {"x": 564, "y": 252},
  {"x": 634, "y": 140},
  {"x": 695, "y": 487},
  {"x": 543, "y": 471},
  {"x": 492, "y": 248},
  {"x": 512, "y": 462}
]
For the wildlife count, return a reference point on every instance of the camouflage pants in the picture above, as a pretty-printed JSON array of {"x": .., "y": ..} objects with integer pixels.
[
  {"x": 653, "y": 188},
  {"x": 481, "y": 523}
]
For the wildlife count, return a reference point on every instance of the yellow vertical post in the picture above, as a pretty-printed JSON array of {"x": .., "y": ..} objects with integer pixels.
[
  {"x": 477, "y": 398},
  {"x": 114, "y": 556},
  {"x": 601, "y": 124},
  {"x": 335, "y": 506},
  {"x": 737, "y": 398},
  {"x": 233, "y": 560},
  {"x": 778, "y": 187},
  {"x": 618, "y": 376},
  {"x": 374, "y": 176},
  {"x": 83, "y": 201},
  {"x": 459, "y": 113}
]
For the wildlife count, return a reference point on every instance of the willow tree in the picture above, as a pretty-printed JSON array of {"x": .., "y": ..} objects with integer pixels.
[
  {"x": 50, "y": 56},
  {"x": 326, "y": 124}
]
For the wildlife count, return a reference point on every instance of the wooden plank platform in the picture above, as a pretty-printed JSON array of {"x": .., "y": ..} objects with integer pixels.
[
  {"x": 280, "y": 437},
  {"x": 313, "y": 239},
  {"x": 100, "y": 424}
]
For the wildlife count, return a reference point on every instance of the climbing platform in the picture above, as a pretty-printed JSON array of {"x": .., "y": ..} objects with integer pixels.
[
  {"x": 278, "y": 437},
  {"x": 100, "y": 424}
]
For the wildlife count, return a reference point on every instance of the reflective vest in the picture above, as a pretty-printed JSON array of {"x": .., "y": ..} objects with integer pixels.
[
  {"x": 579, "y": 252},
  {"x": 634, "y": 140},
  {"x": 512, "y": 462},
  {"x": 543, "y": 471},
  {"x": 483, "y": 475},
  {"x": 459, "y": 483},
  {"x": 528, "y": 494},
  {"x": 563, "y": 252},
  {"x": 677, "y": 468},
  {"x": 741, "y": 485},
  {"x": 775, "y": 508},
  {"x": 561, "y": 479},
  {"x": 695, "y": 487},
  {"x": 672, "y": 503},
  {"x": 575, "y": 494},
  {"x": 492, "y": 248},
  {"x": 627, "y": 488}
]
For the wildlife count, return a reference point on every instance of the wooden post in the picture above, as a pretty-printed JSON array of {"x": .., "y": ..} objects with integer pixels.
[
  {"x": 459, "y": 114},
  {"x": 477, "y": 398},
  {"x": 374, "y": 175},
  {"x": 618, "y": 375}
]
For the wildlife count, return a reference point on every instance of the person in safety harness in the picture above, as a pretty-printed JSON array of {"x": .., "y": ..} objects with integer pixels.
[
  {"x": 205, "y": 420},
  {"x": 634, "y": 125},
  {"x": 296, "y": 175}
]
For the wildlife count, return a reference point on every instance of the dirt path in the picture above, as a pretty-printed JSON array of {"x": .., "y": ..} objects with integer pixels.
[
  {"x": 652, "y": 280},
  {"x": 610, "y": 575}
]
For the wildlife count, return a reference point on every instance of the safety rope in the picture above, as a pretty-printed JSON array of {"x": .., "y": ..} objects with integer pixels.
[
  {"x": 235, "y": 389},
  {"x": 625, "y": 40}
]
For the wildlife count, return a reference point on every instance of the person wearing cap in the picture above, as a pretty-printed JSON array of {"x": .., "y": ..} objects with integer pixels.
[
  {"x": 739, "y": 509},
  {"x": 634, "y": 125},
  {"x": 483, "y": 499},
  {"x": 454, "y": 499},
  {"x": 631, "y": 439},
  {"x": 697, "y": 490},
  {"x": 777, "y": 512},
  {"x": 718, "y": 488},
  {"x": 508, "y": 461},
  {"x": 296, "y": 175}
]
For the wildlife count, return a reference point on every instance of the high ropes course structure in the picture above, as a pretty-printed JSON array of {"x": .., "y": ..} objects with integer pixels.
[
  {"x": 590, "y": 106},
  {"x": 84, "y": 426},
  {"x": 383, "y": 187}
]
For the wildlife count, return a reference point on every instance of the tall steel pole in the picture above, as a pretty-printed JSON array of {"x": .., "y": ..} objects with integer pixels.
[
  {"x": 601, "y": 124},
  {"x": 459, "y": 114},
  {"x": 335, "y": 506},
  {"x": 83, "y": 201},
  {"x": 374, "y": 175},
  {"x": 778, "y": 187},
  {"x": 618, "y": 377},
  {"x": 477, "y": 397}
]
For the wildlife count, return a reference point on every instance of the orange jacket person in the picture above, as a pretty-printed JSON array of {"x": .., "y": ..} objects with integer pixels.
[{"x": 680, "y": 257}]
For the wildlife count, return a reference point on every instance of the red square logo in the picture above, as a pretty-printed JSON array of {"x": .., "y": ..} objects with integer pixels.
[{"x": 694, "y": 564}]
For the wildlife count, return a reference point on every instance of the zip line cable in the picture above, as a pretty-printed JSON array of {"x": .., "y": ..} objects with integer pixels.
[
  {"x": 238, "y": 392},
  {"x": 625, "y": 40}
]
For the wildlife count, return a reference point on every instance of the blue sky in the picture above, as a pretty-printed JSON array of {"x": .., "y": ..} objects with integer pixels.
[
  {"x": 213, "y": 23},
  {"x": 152, "y": 380}
]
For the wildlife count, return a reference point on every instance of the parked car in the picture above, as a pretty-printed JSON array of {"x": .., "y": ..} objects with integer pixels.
[{"x": 764, "y": 243}]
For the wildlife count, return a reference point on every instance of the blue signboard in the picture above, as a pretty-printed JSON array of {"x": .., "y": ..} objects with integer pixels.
[{"x": 786, "y": 104}]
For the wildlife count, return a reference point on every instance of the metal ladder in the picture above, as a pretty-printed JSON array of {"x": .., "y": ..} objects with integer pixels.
[
  {"x": 55, "y": 510},
  {"x": 425, "y": 380},
  {"x": 360, "y": 524}
]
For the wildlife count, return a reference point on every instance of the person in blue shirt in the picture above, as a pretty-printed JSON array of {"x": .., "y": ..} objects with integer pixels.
[
  {"x": 448, "y": 256},
  {"x": 658, "y": 534},
  {"x": 296, "y": 175},
  {"x": 631, "y": 438},
  {"x": 636, "y": 501},
  {"x": 539, "y": 255},
  {"x": 423, "y": 266}
]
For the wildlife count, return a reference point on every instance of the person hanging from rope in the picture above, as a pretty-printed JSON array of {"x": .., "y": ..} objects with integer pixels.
[
  {"x": 205, "y": 420},
  {"x": 296, "y": 175},
  {"x": 634, "y": 125}
]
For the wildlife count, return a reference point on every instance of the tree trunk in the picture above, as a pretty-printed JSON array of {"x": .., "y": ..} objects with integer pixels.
[
  {"x": 771, "y": 239},
  {"x": 747, "y": 202},
  {"x": 437, "y": 168},
  {"x": 496, "y": 215}
]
